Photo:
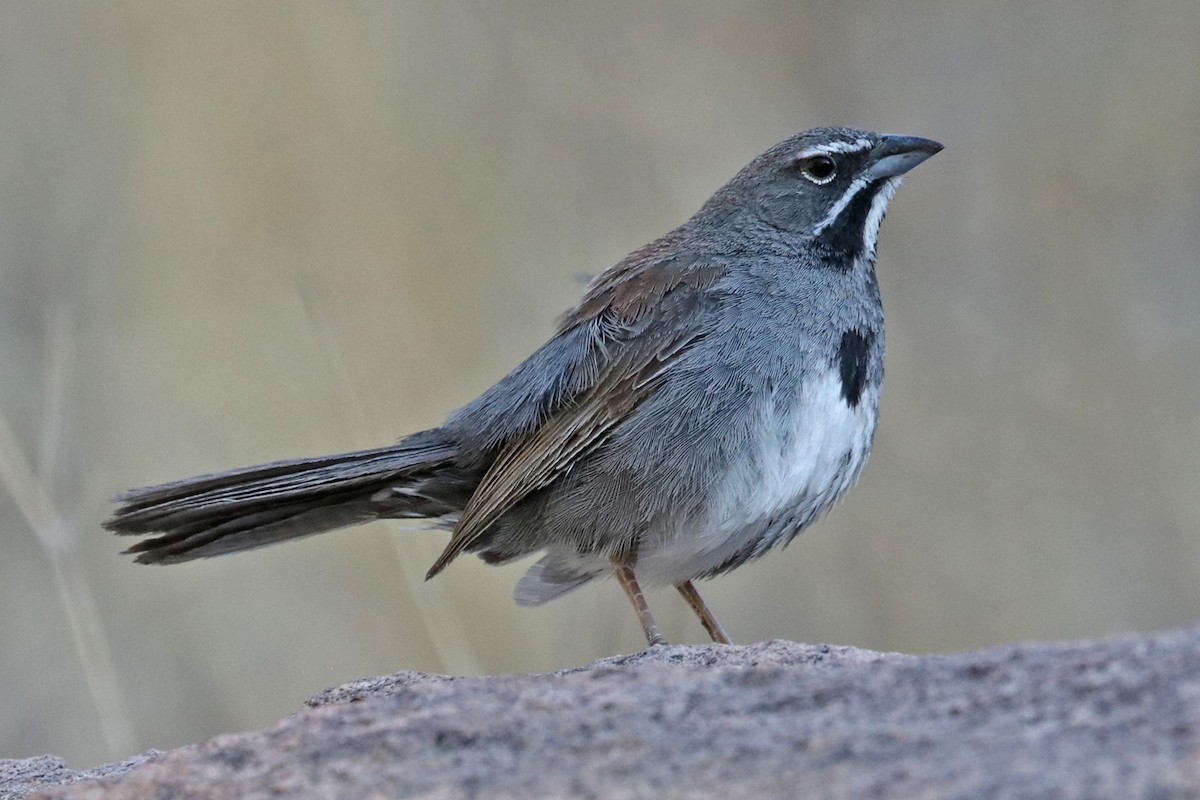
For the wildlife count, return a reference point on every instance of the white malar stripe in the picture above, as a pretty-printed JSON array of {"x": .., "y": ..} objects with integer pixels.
[
  {"x": 879, "y": 204},
  {"x": 841, "y": 204}
]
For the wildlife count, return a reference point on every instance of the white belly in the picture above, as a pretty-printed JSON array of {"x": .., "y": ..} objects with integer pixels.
[{"x": 805, "y": 460}]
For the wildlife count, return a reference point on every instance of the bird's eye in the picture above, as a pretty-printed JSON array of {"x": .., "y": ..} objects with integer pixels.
[{"x": 818, "y": 169}]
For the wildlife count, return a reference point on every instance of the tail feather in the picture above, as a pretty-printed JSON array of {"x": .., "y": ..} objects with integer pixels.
[
  {"x": 247, "y": 532},
  {"x": 241, "y": 509}
]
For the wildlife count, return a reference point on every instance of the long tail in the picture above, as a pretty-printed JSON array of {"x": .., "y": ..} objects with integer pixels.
[{"x": 226, "y": 512}]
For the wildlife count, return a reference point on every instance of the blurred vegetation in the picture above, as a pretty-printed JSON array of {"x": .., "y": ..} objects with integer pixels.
[{"x": 232, "y": 232}]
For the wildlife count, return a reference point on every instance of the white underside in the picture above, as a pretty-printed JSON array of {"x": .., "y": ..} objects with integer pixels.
[
  {"x": 792, "y": 477},
  {"x": 801, "y": 471}
]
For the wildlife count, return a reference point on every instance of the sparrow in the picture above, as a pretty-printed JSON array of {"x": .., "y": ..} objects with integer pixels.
[{"x": 710, "y": 396}]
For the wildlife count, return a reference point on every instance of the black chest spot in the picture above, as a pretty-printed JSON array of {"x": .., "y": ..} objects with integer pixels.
[{"x": 853, "y": 354}]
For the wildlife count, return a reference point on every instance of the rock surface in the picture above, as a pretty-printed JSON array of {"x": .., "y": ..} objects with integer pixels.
[{"x": 1111, "y": 719}]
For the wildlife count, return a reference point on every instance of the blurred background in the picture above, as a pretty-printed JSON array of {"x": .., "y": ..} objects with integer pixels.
[{"x": 234, "y": 232}]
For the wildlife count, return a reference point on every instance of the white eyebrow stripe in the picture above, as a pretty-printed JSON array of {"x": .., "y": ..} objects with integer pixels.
[{"x": 835, "y": 147}]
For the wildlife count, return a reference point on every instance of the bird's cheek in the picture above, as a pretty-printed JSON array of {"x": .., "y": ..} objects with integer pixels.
[{"x": 784, "y": 211}]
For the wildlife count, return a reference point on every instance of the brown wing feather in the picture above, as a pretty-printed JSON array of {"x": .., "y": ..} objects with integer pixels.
[
  {"x": 621, "y": 296},
  {"x": 634, "y": 286}
]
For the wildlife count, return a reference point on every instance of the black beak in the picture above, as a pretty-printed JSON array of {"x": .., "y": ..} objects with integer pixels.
[{"x": 896, "y": 155}]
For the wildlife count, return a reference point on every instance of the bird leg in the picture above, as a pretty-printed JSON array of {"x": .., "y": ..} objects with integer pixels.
[
  {"x": 624, "y": 572},
  {"x": 707, "y": 619}
]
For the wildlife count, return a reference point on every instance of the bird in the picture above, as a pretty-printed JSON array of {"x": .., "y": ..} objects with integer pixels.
[{"x": 710, "y": 396}]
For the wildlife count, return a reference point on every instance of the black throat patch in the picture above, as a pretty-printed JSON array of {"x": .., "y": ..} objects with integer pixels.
[
  {"x": 843, "y": 239},
  {"x": 853, "y": 353}
]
